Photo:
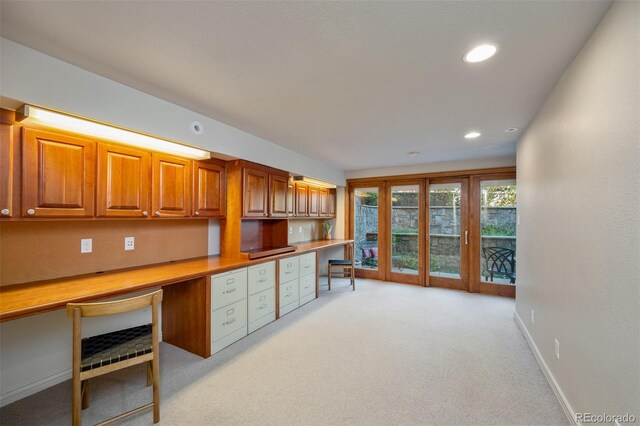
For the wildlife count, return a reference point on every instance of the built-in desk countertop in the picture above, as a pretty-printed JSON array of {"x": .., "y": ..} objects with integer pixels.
[{"x": 22, "y": 300}]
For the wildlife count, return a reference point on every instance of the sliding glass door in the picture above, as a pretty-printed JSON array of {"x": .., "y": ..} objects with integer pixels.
[
  {"x": 448, "y": 233},
  {"x": 406, "y": 233},
  {"x": 365, "y": 213}
]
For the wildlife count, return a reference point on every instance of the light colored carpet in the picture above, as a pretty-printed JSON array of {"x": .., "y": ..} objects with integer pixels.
[{"x": 384, "y": 354}]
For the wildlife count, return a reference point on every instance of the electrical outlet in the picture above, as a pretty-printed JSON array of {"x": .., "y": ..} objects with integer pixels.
[
  {"x": 533, "y": 316},
  {"x": 291, "y": 230},
  {"x": 86, "y": 245},
  {"x": 556, "y": 348},
  {"x": 129, "y": 243},
  {"x": 517, "y": 219}
]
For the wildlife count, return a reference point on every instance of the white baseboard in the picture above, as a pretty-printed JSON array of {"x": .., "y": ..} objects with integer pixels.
[
  {"x": 566, "y": 407},
  {"x": 28, "y": 389}
]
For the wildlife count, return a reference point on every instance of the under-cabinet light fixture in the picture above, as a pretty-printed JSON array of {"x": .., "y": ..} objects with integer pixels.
[
  {"x": 312, "y": 181},
  {"x": 29, "y": 113}
]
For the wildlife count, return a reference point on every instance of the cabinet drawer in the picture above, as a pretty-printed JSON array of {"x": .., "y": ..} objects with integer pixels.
[
  {"x": 308, "y": 264},
  {"x": 288, "y": 308},
  {"x": 289, "y": 268},
  {"x": 225, "y": 321},
  {"x": 261, "y": 304},
  {"x": 262, "y": 277},
  {"x": 307, "y": 285},
  {"x": 289, "y": 292},
  {"x": 306, "y": 299},
  {"x": 228, "y": 288}
]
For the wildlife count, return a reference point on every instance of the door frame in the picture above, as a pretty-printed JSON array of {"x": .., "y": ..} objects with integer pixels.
[{"x": 461, "y": 283}]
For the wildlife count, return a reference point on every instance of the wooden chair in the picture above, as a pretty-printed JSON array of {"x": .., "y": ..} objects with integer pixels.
[
  {"x": 344, "y": 265},
  {"x": 98, "y": 355}
]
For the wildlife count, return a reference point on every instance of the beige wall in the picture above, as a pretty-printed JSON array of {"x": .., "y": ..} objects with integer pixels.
[
  {"x": 38, "y": 250},
  {"x": 579, "y": 234}
]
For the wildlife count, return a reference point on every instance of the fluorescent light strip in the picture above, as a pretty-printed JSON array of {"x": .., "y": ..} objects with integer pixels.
[
  {"x": 103, "y": 131},
  {"x": 315, "y": 182}
]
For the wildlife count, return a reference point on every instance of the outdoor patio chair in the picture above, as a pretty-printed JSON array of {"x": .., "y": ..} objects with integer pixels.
[{"x": 501, "y": 261}]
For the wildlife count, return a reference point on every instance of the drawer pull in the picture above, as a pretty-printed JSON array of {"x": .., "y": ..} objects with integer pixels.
[
  {"x": 230, "y": 311},
  {"x": 288, "y": 272},
  {"x": 231, "y": 290},
  {"x": 262, "y": 298},
  {"x": 306, "y": 286},
  {"x": 231, "y": 281},
  {"x": 229, "y": 321},
  {"x": 263, "y": 306},
  {"x": 287, "y": 295},
  {"x": 262, "y": 280}
]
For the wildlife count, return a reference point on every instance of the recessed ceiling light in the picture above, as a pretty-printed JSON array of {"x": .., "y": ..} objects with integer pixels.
[
  {"x": 413, "y": 154},
  {"x": 472, "y": 135},
  {"x": 480, "y": 53},
  {"x": 511, "y": 130}
]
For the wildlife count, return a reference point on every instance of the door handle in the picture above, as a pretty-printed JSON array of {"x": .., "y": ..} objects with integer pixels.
[{"x": 466, "y": 237}]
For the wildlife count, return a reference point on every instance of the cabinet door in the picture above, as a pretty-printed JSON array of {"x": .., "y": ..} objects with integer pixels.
[
  {"x": 58, "y": 174},
  {"x": 209, "y": 190},
  {"x": 278, "y": 189},
  {"x": 291, "y": 210},
  {"x": 331, "y": 203},
  {"x": 255, "y": 189},
  {"x": 324, "y": 202},
  {"x": 302, "y": 199},
  {"x": 124, "y": 176},
  {"x": 314, "y": 201},
  {"x": 8, "y": 151},
  {"x": 171, "y": 186}
]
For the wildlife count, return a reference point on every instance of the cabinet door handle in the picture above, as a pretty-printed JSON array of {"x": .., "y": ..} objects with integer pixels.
[
  {"x": 157, "y": 212},
  {"x": 466, "y": 237},
  {"x": 31, "y": 212},
  {"x": 5, "y": 212},
  {"x": 197, "y": 213},
  {"x": 145, "y": 213}
]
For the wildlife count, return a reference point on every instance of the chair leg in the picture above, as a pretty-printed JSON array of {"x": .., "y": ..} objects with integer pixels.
[
  {"x": 149, "y": 373},
  {"x": 329, "y": 278},
  {"x": 85, "y": 393},
  {"x": 156, "y": 387},
  {"x": 353, "y": 279},
  {"x": 76, "y": 399}
]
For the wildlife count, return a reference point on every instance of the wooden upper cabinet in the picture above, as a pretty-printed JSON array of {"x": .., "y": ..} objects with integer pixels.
[
  {"x": 256, "y": 189},
  {"x": 278, "y": 194},
  {"x": 124, "y": 176},
  {"x": 324, "y": 202},
  {"x": 8, "y": 161},
  {"x": 291, "y": 210},
  {"x": 302, "y": 199},
  {"x": 314, "y": 201},
  {"x": 58, "y": 173},
  {"x": 171, "y": 182},
  {"x": 209, "y": 189},
  {"x": 331, "y": 202}
]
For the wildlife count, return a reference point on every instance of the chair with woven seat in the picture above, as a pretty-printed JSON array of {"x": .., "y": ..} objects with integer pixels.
[
  {"x": 105, "y": 353},
  {"x": 344, "y": 265}
]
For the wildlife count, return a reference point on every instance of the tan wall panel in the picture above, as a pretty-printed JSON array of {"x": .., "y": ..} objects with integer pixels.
[{"x": 40, "y": 250}]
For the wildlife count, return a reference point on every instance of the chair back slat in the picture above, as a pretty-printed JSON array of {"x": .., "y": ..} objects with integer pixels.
[{"x": 96, "y": 309}]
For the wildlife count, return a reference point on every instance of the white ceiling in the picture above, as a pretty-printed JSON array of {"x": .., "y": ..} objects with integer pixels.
[{"x": 354, "y": 84}]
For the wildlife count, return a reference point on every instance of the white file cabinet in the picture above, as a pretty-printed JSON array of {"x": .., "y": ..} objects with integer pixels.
[
  {"x": 307, "y": 289},
  {"x": 228, "y": 308},
  {"x": 262, "y": 295},
  {"x": 297, "y": 281},
  {"x": 289, "y": 283}
]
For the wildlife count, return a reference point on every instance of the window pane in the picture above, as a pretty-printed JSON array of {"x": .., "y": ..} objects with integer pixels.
[
  {"x": 498, "y": 231},
  {"x": 366, "y": 228},
  {"x": 444, "y": 230},
  {"x": 405, "y": 217}
]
